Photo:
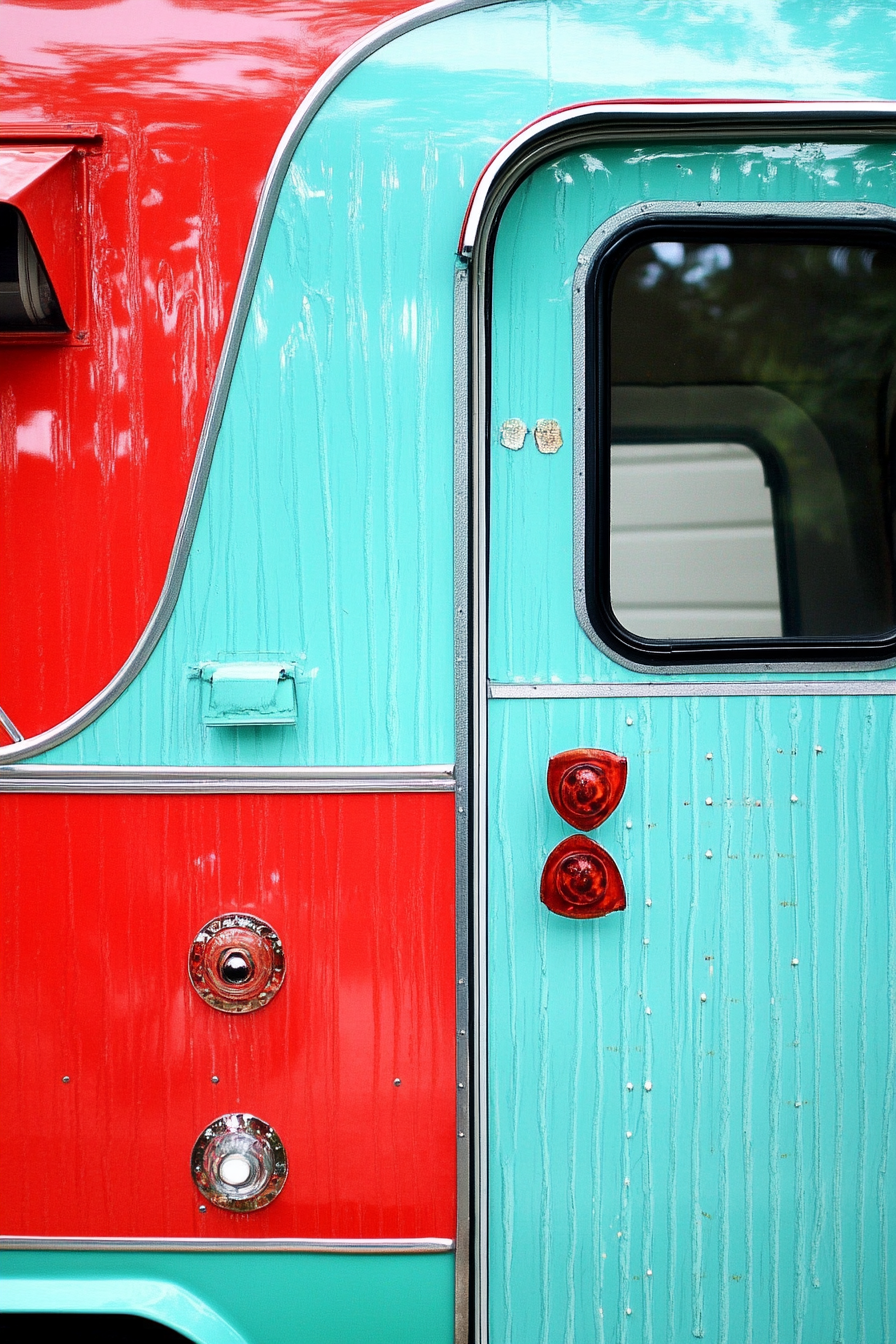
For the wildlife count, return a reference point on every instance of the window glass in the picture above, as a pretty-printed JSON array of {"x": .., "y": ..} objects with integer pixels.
[
  {"x": 692, "y": 542},
  {"x": 752, "y": 390}
]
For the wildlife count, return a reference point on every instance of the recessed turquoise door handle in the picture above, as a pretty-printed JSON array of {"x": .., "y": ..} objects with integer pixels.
[{"x": 245, "y": 694}]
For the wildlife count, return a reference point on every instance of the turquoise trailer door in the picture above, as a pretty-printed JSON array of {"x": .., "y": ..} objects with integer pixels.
[{"x": 691, "y": 1101}]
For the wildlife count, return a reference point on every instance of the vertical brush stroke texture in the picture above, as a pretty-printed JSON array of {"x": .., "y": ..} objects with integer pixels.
[{"x": 767, "y": 1133}]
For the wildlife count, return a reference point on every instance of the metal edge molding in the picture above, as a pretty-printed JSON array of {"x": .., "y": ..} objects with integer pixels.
[
  {"x": 691, "y": 118},
  {"x": 7, "y": 723},
  {"x": 224, "y": 779},
  {"x": 605, "y": 122},
  {"x": 316, "y": 1245},
  {"x": 846, "y": 212},
  {"x": 658, "y": 690},
  {"x": 308, "y": 108},
  {"x": 462, "y": 810}
]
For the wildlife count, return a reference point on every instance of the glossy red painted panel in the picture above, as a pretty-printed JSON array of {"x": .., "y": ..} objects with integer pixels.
[
  {"x": 97, "y": 436},
  {"x": 104, "y": 897}
]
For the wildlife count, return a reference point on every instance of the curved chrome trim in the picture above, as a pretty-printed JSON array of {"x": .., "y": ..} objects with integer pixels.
[
  {"x": 225, "y": 779},
  {"x": 690, "y": 119},
  {"x": 310, "y": 105},
  {"x": 10, "y": 727},
  {"x": 659, "y": 690},
  {"x": 326, "y": 1245},
  {"x": 847, "y": 212}
]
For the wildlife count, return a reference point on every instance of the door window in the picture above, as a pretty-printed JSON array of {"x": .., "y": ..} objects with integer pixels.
[{"x": 745, "y": 388}]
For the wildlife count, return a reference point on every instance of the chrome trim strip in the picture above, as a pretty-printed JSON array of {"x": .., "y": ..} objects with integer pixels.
[
  {"x": 617, "y": 121},
  {"x": 326, "y": 1245},
  {"x": 225, "y": 779},
  {"x": 310, "y": 105},
  {"x": 10, "y": 727},
  {"x": 477, "y": 450},
  {"x": 659, "y": 690},
  {"x": 848, "y": 212},
  {"x": 462, "y": 810}
]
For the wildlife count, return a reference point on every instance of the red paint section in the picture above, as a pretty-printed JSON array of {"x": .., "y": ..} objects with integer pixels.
[
  {"x": 98, "y": 434},
  {"x": 97, "y": 930}
]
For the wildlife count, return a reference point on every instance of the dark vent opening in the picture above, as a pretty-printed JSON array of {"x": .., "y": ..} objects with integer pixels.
[
  {"x": 21, "y": 1327},
  {"x": 27, "y": 299}
]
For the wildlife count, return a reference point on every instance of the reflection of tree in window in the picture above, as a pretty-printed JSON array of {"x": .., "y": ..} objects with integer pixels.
[{"x": 815, "y": 323}]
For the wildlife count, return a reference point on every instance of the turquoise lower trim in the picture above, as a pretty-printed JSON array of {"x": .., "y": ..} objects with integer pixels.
[{"x": 244, "y": 1297}]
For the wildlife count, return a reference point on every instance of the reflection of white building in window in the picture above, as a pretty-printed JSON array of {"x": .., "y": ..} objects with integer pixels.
[{"x": 692, "y": 543}]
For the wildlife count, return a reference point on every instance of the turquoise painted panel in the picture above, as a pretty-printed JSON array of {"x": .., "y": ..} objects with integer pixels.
[
  {"x": 325, "y": 533},
  {"x": 268, "y": 1298},
  {"x": 693, "y": 1102},
  {"x": 534, "y": 634}
]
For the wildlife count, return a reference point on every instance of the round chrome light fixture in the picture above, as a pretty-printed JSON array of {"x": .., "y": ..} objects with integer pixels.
[
  {"x": 236, "y": 963},
  {"x": 239, "y": 1163}
]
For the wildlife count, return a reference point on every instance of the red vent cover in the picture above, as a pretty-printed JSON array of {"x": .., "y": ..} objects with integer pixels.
[
  {"x": 586, "y": 784},
  {"x": 581, "y": 881}
]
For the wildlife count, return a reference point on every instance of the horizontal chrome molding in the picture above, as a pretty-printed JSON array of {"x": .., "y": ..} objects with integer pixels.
[
  {"x": 225, "y": 779},
  {"x": 659, "y": 690},
  {"x": 317, "y": 1245},
  {"x": 690, "y": 119},
  {"x": 310, "y": 105}
]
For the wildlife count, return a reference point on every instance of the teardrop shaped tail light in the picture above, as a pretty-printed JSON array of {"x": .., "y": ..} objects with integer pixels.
[
  {"x": 586, "y": 784},
  {"x": 581, "y": 881}
]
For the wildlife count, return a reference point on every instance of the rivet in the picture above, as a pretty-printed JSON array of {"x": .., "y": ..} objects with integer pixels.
[
  {"x": 795, "y": 961},
  {"x": 702, "y": 998},
  {"x": 650, "y": 1273},
  {"x": 793, "y": 798},
  {"x": 202, "y": 1208},
  {"x": 629, "y": 721},
  {"x": 819, "y": 749},
  {"x": 628, "y": 1133},
  {"x": 626, "y": 1181},
  {"x": 645, "y": 941},
  {"x": 648, "y": 1086},
  {"x": 628, "y": 825},
  {"x": 460, "y": 1084},
  {"x": 648, "y": 1011},
  {"x": 797, "y": 1103},
  {"x": 630, "y": 1087},
  {"x": 648, "y": 901},
  {"x": 709, "y": 755},
  {"x": 628, "y": 1311},
  {"x": 66, "y": 1078},
  {"x": 709, "y": 853},
  {"x": 215, "y": 1078},
  {"x": 396, "y": 1082},
  {"x": 460, "y": 1134},
  {"x": 709, "y": 802}
]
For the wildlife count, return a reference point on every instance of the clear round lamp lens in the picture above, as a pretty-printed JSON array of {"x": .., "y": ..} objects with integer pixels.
[
  {"x": 239, "y": 1162},
  {"x": 235, "y": 1170}
]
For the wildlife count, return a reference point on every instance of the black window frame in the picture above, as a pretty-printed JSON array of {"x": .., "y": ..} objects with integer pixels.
[{"x": 696, "y": 222}]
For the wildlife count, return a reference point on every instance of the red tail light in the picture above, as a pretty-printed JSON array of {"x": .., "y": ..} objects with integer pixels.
[
  {"x": 586, "y": 784},
  {"x": 581, "y": 881}
]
